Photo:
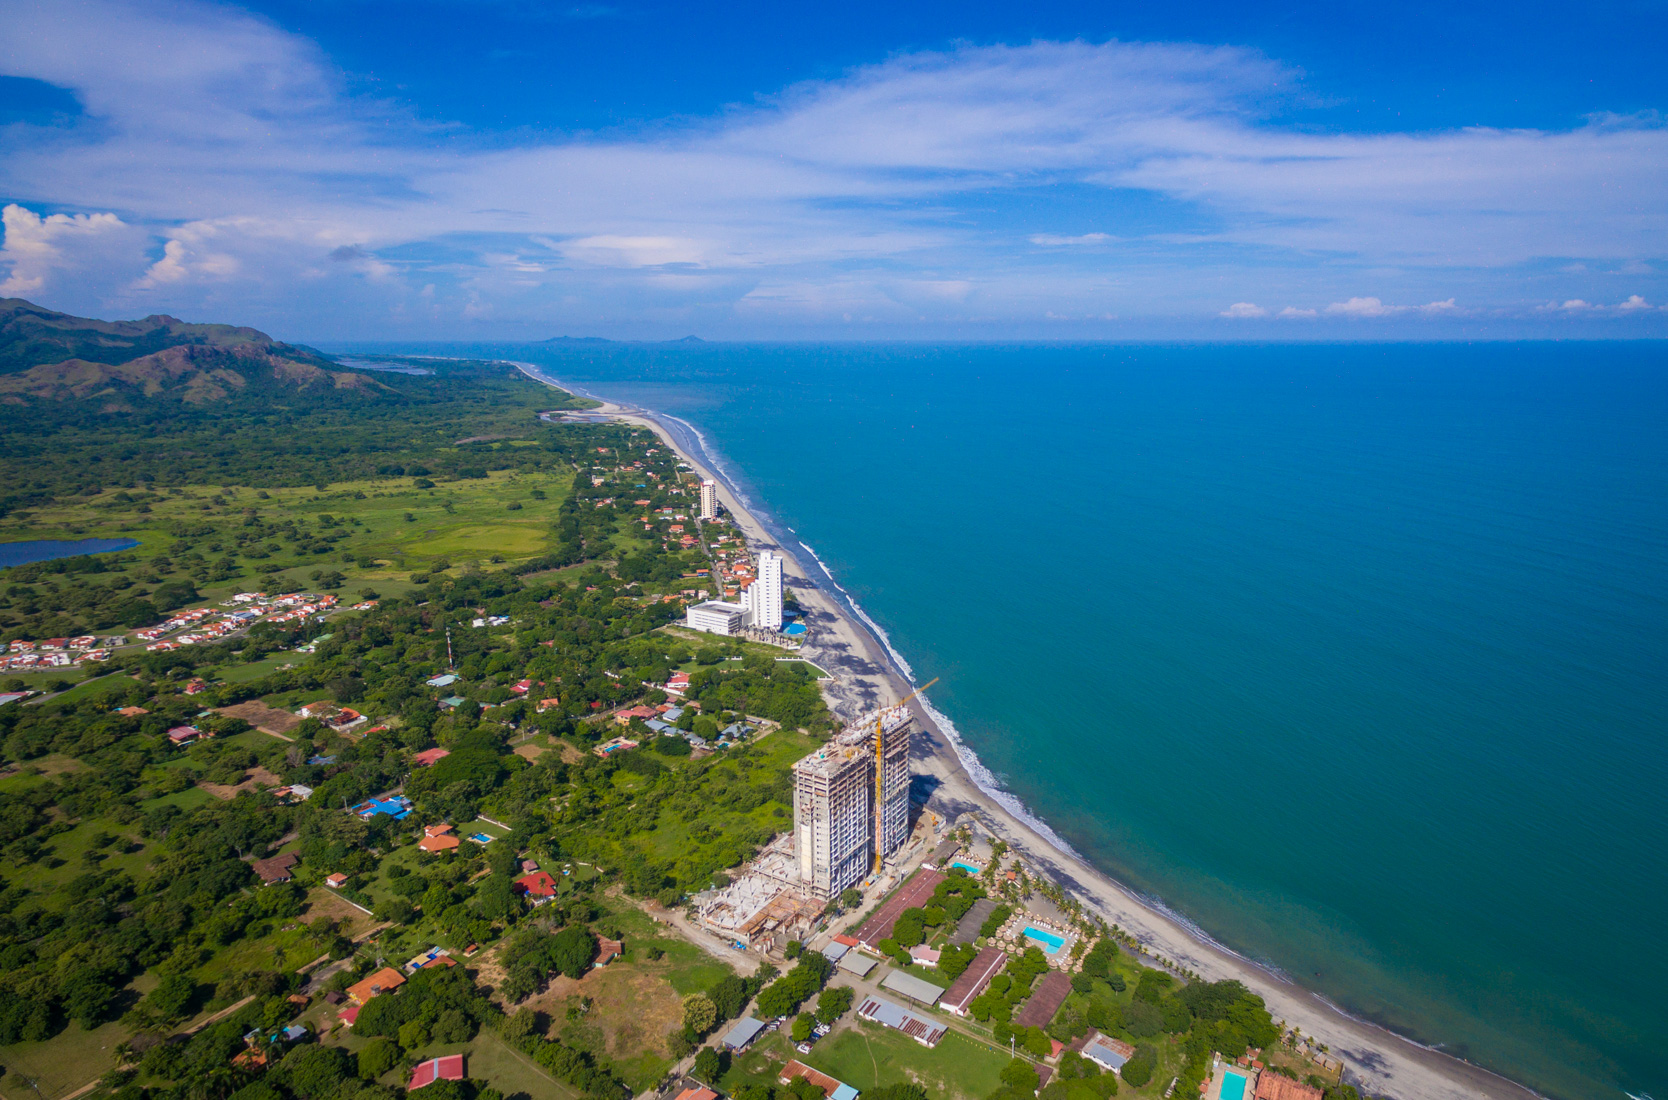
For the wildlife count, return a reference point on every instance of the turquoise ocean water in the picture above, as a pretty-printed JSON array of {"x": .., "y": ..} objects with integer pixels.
[{"x": 1356, "y": 656}]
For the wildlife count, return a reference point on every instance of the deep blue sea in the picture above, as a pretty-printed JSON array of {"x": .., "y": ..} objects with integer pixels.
[{"x": 1355, "y": 655}]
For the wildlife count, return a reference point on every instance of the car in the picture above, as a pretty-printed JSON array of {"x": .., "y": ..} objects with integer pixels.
[{"x": 803, "y": 1048}]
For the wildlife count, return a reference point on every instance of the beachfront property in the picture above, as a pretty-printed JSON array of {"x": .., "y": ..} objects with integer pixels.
[
  {"x": 763, "y": 598},
  {"x": 758, "y": 606},
  {"x": 835, "y": 819},
  {"x": 717, "y": 617},
  {"x": 709, "y": 499}
]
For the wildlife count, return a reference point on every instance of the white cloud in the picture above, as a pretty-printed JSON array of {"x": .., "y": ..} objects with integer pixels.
[
  {"x": 1576, "y": 305},
  {"x": 36, "y": 247},
  {"x": 609, "y": 250},
  {"x": 1362, "y": 307},
  {"x": 1294, "y": 312},
  {"x": 1244, "y": 309},
  {"x": 251, "y": 161},
  {"x": 1633, "y": 304},
  {"x": 1054, "y": 240}
]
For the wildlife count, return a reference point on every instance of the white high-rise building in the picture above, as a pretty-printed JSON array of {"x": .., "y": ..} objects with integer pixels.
[
  {"x": 764, "y": 595},
  {"x": 709, "y": 499}
]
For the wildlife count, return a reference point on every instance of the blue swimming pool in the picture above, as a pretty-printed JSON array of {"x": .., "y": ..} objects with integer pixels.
[
  {"x": 1048, "y": 941},
  {"x": 968, "y": 867},
  {"x": 1233, "y": 1085},
  {"x": 794, "y": 629}
]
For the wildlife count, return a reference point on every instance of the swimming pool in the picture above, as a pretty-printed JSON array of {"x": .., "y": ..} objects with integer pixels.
[
  {"x": 1048, "y": 941},
  {"x": 968, "y": 867},
  {"x": 1233, "y": 1085},
  {"x": 794, "y": 629}
]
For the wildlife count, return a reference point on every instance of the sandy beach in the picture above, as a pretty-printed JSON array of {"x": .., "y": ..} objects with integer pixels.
[{"x": 1377, "y": 1061}]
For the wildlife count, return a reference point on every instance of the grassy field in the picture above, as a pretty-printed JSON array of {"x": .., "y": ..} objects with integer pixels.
[
  {"x": 865, "y": 1055},
  {"x": 62, "y": 1064}
]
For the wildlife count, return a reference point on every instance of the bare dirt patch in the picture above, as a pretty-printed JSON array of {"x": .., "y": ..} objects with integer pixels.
[
  {"x": 257, "y": 778},
  {"x": 327, "y": 903},
  {"x": 531, "y": 750},
  {"x": 264, "y": 718},
  {"x": 570, "y": 754},
  {"x": 633, "y": 1008}
]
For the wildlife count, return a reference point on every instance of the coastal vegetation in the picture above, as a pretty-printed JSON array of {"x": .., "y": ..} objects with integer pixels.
[{"x": 208, "y": 866}]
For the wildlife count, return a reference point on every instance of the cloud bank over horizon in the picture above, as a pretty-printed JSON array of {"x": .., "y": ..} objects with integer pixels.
[{"x": 224, "y": 167}]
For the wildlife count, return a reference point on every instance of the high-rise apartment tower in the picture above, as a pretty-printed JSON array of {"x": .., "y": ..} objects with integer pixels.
[
  {"x": 834, "y": 803},
  {"x": 709, "y": 499}
]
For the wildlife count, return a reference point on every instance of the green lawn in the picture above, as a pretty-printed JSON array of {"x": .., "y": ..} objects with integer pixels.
[
  {"x": 187, "y": 799},
  {"x": 71, "y": 847},
  {"x": 865, "y": 1055},
  {"x": 60, "y": 1065}
]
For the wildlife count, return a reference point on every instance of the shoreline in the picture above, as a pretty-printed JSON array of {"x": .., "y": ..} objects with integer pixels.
[{"x": 870, "y": 673}]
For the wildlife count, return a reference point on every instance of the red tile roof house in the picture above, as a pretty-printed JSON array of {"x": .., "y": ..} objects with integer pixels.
[
  {"x": 607, "y": 951},
  {"x": 449, "y": 1068},
  {"x": 522, "y": 687},
  {"x": 336, "y": 881},
  {"x": 539, "y": 887},
  {"x": 430, "y": 756},
  {"x": 184, "y": 735}
]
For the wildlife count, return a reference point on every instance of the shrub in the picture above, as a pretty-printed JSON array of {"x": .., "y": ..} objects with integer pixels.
[{"x": 1139, "y": 1069}]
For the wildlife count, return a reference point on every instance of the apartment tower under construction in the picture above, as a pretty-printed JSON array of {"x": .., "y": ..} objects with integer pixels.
[{"x": 834, "y": 802}]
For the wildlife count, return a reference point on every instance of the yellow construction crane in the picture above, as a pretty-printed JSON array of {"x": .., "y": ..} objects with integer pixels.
[{"x": 880, "y": 768}]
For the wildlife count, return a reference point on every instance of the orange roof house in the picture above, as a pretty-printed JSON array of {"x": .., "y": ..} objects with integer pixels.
[
  {"x": 437, "y": 838},
  {"x": 385, "y": 980}
]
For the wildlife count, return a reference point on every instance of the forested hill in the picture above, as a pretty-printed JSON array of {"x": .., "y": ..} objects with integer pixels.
[
  {"x": 115, "y": 367},
  {"x": 32, "y": 336}
]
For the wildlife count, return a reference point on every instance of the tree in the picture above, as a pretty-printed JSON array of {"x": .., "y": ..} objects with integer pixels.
[
  {"x": 1139, "y": 1069},
  {"x": 1020, "y": 1074},
  {"x": 709, "y": 1067},
  {"x": 850, "y": 898},
  {"x": 834, "y": 1002},
  {"x": 172, "y": 996},
  {"x": 377, "y": 1058},
  {"x": 573, "y": 949},
  {"x": 802, "y": 1025},
  {"x": 700, "y": 1014},
  {"x": 729, "y": 996},
  {"x": 413, "y": 1034},
  {"x": 1037, "y": 1042}
]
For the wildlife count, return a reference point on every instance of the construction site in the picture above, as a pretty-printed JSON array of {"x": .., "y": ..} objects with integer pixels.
[{"x": 851, "y": 811}]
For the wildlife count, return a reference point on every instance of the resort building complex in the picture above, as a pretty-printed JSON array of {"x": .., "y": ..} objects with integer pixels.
[
  {"x": 845, "y": 818},
  {"x": 760, "y": 606}
]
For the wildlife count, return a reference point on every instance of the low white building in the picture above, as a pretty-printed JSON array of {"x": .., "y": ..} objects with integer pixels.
[{"x": 717, "y": 617}]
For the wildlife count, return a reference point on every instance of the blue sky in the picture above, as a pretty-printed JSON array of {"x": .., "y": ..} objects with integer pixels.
[{"x": 506, "y": 169}]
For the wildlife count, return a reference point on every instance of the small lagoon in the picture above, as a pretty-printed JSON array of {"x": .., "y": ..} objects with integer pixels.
[{"x": 22, "y": 553}]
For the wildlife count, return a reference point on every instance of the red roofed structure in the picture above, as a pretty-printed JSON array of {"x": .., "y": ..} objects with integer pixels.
[
  {"x": 449, "y": 1068},
  {"x": 539, "y": 886}
]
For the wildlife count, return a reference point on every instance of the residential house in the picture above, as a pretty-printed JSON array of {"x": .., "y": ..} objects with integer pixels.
[
  {"x": 383, "y": 981},
  {"x": 437, "y": 838},
  {"x": 276, "y": 869},
  {"x": 538, "y": 887}
]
